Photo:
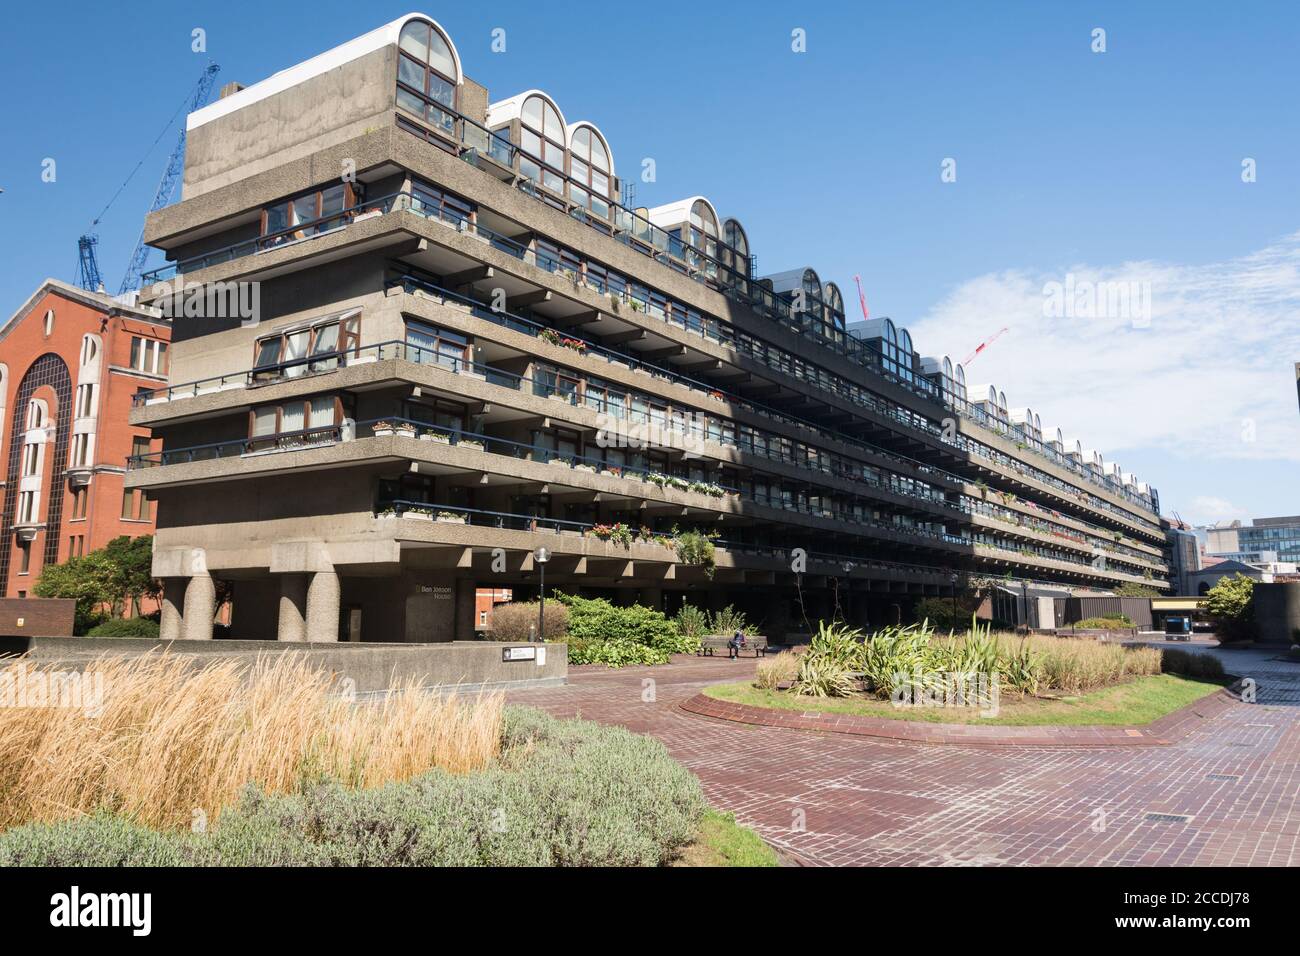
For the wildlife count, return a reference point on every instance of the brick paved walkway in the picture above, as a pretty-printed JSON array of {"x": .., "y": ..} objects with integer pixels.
[{"x": 838, "y": 800}]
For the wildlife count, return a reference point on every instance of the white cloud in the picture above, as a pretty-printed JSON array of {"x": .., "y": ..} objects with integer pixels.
[
  {"x": 1207, "y": 509},
  {"x": 1208, "y": 377}
]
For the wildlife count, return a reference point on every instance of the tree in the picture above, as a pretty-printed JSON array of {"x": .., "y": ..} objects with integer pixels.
[
  {"x": 87, "y": 580},
  {"x": 131, "y": 560},
  {"x": 1231, "y": 606}
]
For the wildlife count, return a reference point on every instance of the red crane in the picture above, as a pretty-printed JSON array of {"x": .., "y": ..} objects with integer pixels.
[
  {"x": 862, "y": 299},
  {"x": 983, "y": 345}
]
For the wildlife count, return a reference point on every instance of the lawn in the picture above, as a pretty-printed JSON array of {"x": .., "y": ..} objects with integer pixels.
[
  {"x": 724, "y": 842},
  {"x": 1130, "y": 704}
]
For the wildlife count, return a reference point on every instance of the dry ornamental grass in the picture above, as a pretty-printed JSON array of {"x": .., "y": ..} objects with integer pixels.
[{"x": 170, "y": 738}]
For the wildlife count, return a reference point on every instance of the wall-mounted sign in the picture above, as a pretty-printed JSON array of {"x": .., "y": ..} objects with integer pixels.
[{"x": 518, "y": 653}]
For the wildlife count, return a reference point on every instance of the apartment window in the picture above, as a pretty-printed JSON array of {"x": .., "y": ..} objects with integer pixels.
[
  {"x": 317, "y": 414},
  {"x": 315, "y": 348},
  {"x": 309, "y": 214},
  {"x": 556, "y": 258},
  {"x": 35, "y": 414},
  {"x": 139, "y": 445},
  {"x": 27, "y": 507},
  {"x": 541, "y": 137},
  {"x": 80, "y": 457},
  {"x": 148, "y": 355},
  {"x": 136, "y": 505},
  {"x": 79, "y": 498},
  {"x": 589, "y": 165},
  {"x": 704, "y": 236},
  {"x": 482, "y": 618},
  {"x": 437, "y": 412},
  {"x": 25, "y": 558},
  {"x": 85, "y": 401},
  {"x": 426, "y": 75},
  {"x": 431, "y": 345},
  {"x": 31, "y": 459},
  {"x": 439, "y": 204}
]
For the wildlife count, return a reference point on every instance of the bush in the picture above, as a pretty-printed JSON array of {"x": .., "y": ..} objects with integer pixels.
[
  {"x": 775, "y": 670},
  {"x": 695, "y": 547},
  {"x": 1231, "y": 606},
  {"x": 517, "y": 621},
  {"x": 939, "y": 612},
  {"x": 728, "y": 621},
  {"x": 564, "y": 793},
  {"x": 636, "y": 634},
  {"x": 125, "y": 627},
  {"x": 1108, "y": 623},
  {"x": 692, "y": 623}
]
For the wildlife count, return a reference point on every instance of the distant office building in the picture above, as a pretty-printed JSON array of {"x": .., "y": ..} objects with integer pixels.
[
  {"x": 1182, "y": 554},
  {"x": 71, "y": 364},
  {"x": 1270, "y": 573}
]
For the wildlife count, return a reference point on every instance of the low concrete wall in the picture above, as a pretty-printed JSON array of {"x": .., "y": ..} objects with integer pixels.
[{"x": 374, "y": 669}]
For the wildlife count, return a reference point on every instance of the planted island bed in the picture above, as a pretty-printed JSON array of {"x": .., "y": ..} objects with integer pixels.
[{"x": 913, "y": 674}]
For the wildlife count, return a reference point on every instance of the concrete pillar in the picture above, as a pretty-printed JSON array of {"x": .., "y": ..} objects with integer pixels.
[
  {"x": 323, "y": 607},
  {"x": 173, "y": 601},
  {"x": 292, "y": 624},
  {"x": 200, "y": 607},
  {"x": 466, "y": 589}
]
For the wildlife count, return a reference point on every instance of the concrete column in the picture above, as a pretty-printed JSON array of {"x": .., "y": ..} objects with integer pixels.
[
  {"x": 466, "y": 588},
  {"x": 323, "y": 607},
  {"x": 200, "y": 607},
  {"x": 293, "y": 608},
  {"x": 170, "y": 626}
]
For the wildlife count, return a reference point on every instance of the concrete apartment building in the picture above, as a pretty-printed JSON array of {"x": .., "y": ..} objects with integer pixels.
[
  {"x": 467, "y": 349},
  {"x": 71, "y": 364}
]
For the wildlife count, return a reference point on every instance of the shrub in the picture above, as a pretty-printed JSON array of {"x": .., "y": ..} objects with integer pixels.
[
  {"x": 694, "y": 547},
  {"x": 168, "y": 737},
  {"x": 1230, "y": 605},
  {"x": 938, "y": 611},
  {"x": 1109, "y": 623},
  {"x": 637, "y": 634},
  {"x": 564, "y": 793},
  {"x": 125, "y": 627},
  {"x": 517, "y": 621},
  {"x": 692, "y": 623},
  {"x": 835, "y": 652},
  {"x": 775, "y": 670},
  {"x": 728, "y": 621}
]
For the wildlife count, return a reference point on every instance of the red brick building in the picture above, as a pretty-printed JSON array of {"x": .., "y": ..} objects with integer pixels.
[
  {"x": 485, "y": 599},
  {"x": 70, "y": 363}
]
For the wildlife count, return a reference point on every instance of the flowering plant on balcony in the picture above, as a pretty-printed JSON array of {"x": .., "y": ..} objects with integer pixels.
[
  {"x": 436, "y": 434},
  {"x": 454, "y": 517},
  {"x": 471, "y": 443},
  {"x": 656, "y": 478},
  {"x": 618, "y": 532},
  {"x": 576, "y": 345},
  {"x": 614, "y": 470},
  {"x": 549, "y": 335},
  {"x": 706, "y": 488},
  {"x": 715, "y": 394}
]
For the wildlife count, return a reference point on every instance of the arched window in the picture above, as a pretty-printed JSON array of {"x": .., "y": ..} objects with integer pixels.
[
  {"x": 427, "y": 75},
  {"x": 703, "y": 237},
  {"x": 905, "y": 355},
  {"x": 89, "y": 349},
  {"x": 834, "y": 303},
  {"x": 541, "y": 136},
  {"x": 736, "y": 255},
  {"x": 592, "y": 169},
  {"x": 961, "y": 383}
]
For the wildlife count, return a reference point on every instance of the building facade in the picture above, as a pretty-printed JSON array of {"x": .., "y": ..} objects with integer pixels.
[
  {"x": 465, "y": 348},
  {"x": 71, "y": 364}
]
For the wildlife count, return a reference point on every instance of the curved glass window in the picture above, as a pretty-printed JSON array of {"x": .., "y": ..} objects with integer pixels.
[
  {"x": 834, "y": 302},
  {"x": 591, "y": 170},
  {"x": 541, "y": 137},
  {"x": 703, "y": 237},
  {"x": 426, "y": 75},
  {"x": 736, "y": 254}
]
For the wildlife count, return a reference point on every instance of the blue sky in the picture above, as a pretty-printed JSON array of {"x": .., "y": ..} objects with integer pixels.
[{"x": 1124, "y": 164}]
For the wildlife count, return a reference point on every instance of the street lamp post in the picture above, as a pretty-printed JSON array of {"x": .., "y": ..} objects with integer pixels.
[
  {"x": 953, "y": 578},
  {"x": 541, "y": 556}
]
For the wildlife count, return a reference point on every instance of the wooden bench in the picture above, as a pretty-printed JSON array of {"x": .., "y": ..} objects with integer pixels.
[{"x": 715, "y": 642}]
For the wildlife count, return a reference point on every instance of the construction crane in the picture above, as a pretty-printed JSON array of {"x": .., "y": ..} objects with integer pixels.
[
  {"x": 163, "y": 196},
  {"x": 862, "y": 299},
  {"x": 89, "y": 276},
  {"x": 983, "y": 345}
]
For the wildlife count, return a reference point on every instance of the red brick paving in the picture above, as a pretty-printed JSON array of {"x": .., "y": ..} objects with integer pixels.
[{"x": 839, "y": 799}]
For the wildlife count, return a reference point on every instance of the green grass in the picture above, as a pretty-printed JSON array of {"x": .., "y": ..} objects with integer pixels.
[
  {"x": 1130, "y": 704},
  {"x": 724, "y": 842}
]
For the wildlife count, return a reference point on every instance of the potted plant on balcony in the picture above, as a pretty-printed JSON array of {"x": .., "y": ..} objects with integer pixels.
[
  {"x": 612, "y": 471},
  {"x": 382, "y": 429},
  {"x": 474, "y": 443},
  {"x": 584, "y": 466},
  {"x": 451, "y": 517},
  {"x": 436, "y": 434},
  {"x": 550, "y": 336},
  {"x": 418, "y": 513},
  {"x": 404, "y": 429},
  {"x": 574, "y": 345}
]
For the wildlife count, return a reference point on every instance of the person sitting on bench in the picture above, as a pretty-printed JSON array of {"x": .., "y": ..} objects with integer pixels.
[{"x": 736, "y": 643}]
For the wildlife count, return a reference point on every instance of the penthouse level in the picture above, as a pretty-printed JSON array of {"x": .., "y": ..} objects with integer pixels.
[{"x": 458, "y": 318}]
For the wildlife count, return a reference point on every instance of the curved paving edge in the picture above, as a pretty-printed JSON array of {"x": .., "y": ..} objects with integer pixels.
[{"x": 1167, "y": 730}]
